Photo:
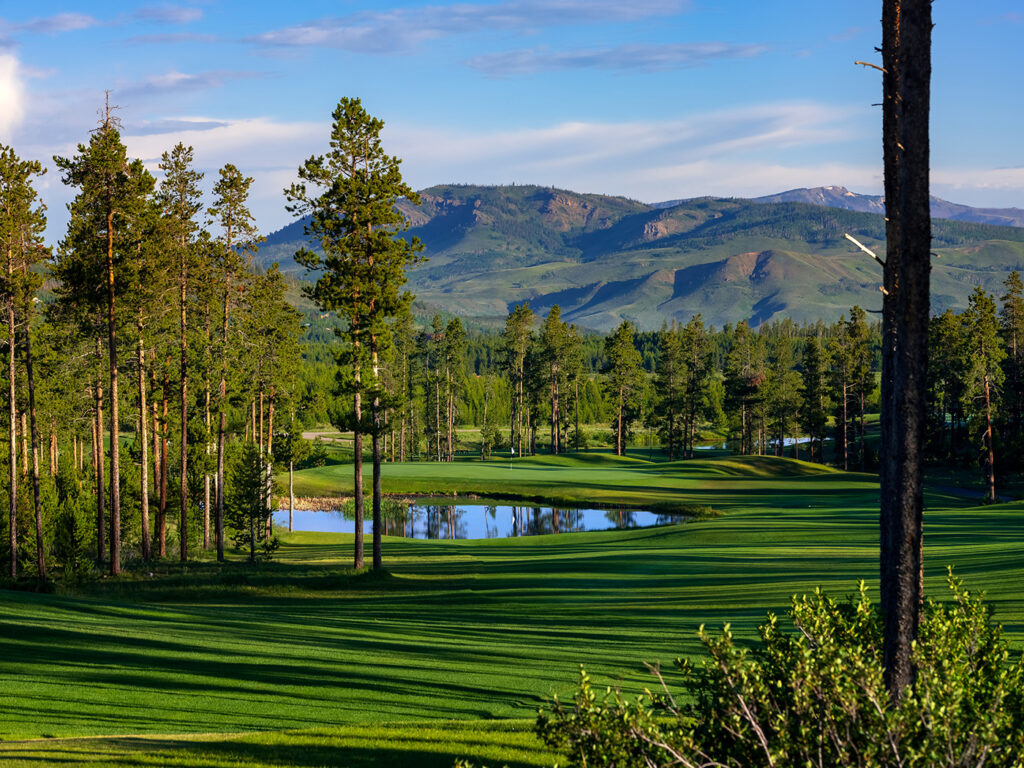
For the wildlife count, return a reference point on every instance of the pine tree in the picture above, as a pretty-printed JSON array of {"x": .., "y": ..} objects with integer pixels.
[
  {"x": 90, "y": 268},
  {"x": 238, "y": 238},
  {"x": 1011, "y": 319},
  {"x": 453, "y": 352},
  {"x": 696, "y": 375},
  {"x": 813, "y": 396},
  {"x": 516, "y": 340},
  {"x": 624, "y": 379},
  {"x": 553, "y": 341},
  {"x": 22, "y": 222},
  {"x": 668, "y": 375},
  {"x": 354, "y": 218},
  {"x": 983, "y": 358},
  {"x": 180, "y": 197}
]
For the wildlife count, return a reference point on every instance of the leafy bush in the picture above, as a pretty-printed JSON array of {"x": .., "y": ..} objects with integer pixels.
[{"x": 815, "y": 697}]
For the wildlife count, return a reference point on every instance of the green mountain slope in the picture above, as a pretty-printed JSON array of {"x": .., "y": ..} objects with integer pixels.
[{"x": 605, "y": 259}]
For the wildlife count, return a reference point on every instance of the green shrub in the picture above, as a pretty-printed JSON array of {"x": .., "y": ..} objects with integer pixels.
[{"x": 815, "y": 697}]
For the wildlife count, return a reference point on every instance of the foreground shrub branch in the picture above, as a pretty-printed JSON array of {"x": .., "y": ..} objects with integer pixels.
[{"x": 815, "y": 696}]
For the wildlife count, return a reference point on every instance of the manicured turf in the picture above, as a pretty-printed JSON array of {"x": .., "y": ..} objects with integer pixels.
[{"x": 457, "y": 630}]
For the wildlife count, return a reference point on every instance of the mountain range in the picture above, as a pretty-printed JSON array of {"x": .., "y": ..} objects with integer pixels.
[{"x": 604, "y": 259}]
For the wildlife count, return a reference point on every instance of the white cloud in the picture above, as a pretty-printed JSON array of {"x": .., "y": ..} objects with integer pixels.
[
  {"x": 56, "y": 24},
  {"x": 174, "y": 81},
  {"x": 744, "y": 152},
  {"x": 12, "y": 95},
  {"x": 645, "y": 58},
  {"x": 403, "y": 28}
]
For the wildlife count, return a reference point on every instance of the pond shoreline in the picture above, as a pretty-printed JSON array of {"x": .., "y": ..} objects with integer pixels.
[{"x": 330, "y": 503}]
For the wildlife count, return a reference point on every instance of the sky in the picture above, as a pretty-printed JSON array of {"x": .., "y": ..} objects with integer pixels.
[{"x": 650, "y": 99}]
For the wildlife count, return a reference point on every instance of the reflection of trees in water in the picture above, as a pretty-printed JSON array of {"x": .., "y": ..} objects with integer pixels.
[
  {"x": 622, "y": 518},
  {"x": 441, "y": 521},
  {"x": 447, "y": 521}
]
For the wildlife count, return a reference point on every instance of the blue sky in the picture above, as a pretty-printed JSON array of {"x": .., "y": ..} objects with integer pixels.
[{"x": 652, "y": 99}]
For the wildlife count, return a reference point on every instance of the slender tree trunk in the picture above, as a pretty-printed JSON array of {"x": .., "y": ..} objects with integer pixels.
[
  {"x": 906, "y": 59},
  {"x": 208, "y": 423},
  {"x": 618, "y": 426},
  {"x": 40, "y": 547},
  {"x": 101, "y": 490},
  {"x": 437, "y": 414},
  {"x": 115, "y": 447},
  {"x": 863, "y": 443},
  {"x": 24, "y": 443},
  {"x": 991, "y": 458},
  {"x": 291, "y": 493},
  {"x": 375, "y": 438},
  {"x": 183, "y": 349},
  {"x": 147, "y": 545},
  {"x": 576, "y": 409},
  {"x": 222, "y": 420},
  {"x": 164, "y": 428},
  {"x": 13, "y": 426},
  {"x": 158, "y": 525}
]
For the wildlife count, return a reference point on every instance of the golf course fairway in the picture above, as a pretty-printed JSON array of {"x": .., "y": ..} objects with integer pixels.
[{"x": 450, "y": 652}]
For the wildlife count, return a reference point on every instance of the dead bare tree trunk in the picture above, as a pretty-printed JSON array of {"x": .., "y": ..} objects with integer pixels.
[{"x": 906, "y": 58}]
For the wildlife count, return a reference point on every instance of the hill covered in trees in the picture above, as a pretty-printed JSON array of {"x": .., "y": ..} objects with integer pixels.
[{"x": 606, "y": 259}]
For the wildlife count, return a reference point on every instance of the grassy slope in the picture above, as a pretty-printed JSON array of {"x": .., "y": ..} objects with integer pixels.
[{"x": 463, "y": 631}]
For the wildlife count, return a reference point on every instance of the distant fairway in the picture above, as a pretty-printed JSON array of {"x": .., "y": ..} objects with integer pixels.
[{"x": 457, "y": 630}]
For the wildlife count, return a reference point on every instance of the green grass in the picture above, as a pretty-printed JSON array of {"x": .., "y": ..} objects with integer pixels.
[
  {"x": 601, "y": 479},
  {"x": 506, "y": 742},
  {"x": 457, "y": 632}
]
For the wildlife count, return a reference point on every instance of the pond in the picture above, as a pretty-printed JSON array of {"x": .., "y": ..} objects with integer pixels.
[{"x": 430, "y": 520}]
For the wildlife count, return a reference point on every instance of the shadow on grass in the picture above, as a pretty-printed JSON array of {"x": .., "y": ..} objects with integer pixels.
[{"x": 426, "y": 745}]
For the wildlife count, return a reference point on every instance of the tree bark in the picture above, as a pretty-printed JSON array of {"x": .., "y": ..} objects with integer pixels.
[
  {"x": 991, "y": 458},
  {"x": 101, "y": 523},
  {"x": 40, "y": 547},
  {"x": 163, "y": 466},
  {"x": 183, "y": 349},
  {"x": 13, "y": 424},
  {"x": 906, "y": 58},
  {"x": 147, "y": 544},
  {"x": 115, "y": 447}
]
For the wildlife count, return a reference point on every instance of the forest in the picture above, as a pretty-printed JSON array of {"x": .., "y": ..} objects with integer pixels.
[{"x": 150, "y": 322}]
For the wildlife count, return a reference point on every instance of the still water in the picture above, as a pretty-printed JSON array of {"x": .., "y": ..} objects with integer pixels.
[{"x": 477, "y": 521}]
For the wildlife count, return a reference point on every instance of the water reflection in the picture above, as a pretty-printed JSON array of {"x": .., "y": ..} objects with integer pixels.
[{"x": 427, "y": 520}]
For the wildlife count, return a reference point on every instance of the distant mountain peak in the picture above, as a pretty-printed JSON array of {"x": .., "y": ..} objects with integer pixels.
[{"x": 841, "y": 197}]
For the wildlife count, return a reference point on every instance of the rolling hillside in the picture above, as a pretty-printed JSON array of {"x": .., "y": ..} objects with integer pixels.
[{"x": 604, "y": 259}]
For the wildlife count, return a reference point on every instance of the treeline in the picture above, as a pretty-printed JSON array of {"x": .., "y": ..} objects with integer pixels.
[
  {"x": 140, "y": 353},
  {"x": 803, "y": 390}
]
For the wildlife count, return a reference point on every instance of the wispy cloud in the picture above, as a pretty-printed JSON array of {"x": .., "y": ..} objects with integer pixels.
[
  {"x": 174, "y": 81},
  {"x": 169, "y": 14},
  {"x": 51, "y": 25},
  {"x": 173, "y": 38},
  {"x": 174, "y": 125},
  {"x": 404, "y": 28},
  {"x": 627, "y": 57}
]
